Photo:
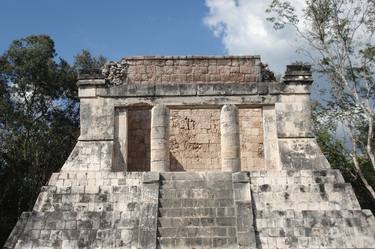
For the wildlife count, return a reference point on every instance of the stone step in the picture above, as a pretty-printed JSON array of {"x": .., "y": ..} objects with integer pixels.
[
  {"x": 316, "y": 229},
  {"x": 305, "y": 205},
  {"x": 197, "y": 212},
  {"x": 197, "y": 231},
  {"x": 194, "y": 176},
  {"x": 113, "y": 198},
  {"x": 195, "y": 203},
  {"x": 196, "y": 193},
  {"x": 299, "y": 197},
  {"x": 300, "y": 214},
  {"x": 201, "y": 203},
  {"x": 296, "y": 177},
  {"x": 183, "y": 185},
  {"x": 302, "y": 188},
  {"x": 196, "y": 221},
  {"x": 182, "y": 222},
  {"x": 92, "y": 189},
  {"x": 80, "y": 178},
  {"x": 325, "y": 242},
  {"x": 293, "y": 221},
  {"x": 187, "y": 212},
  {"x": 89, "y": 207},
  {"x": 93, "y": 198},
  {"x": 57, "y": 227},
  {"x": 113, "y": 182},
  {"x": 197, "y": 243}
]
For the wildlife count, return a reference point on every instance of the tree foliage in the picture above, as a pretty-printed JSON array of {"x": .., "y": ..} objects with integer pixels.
[
  {"x": 339, "y": 157},
  {"x": 339, "y": 39},
  {"x": 39, "y": 120},
  {"x": 85, "y": 62}
]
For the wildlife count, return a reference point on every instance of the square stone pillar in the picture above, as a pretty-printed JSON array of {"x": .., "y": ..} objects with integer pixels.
[
  {"x": 160, "y": 138},
  {"x": 297, "y": 146},
  {"x": 230, "y": 139},
  {"x": 120, "y": 143}
]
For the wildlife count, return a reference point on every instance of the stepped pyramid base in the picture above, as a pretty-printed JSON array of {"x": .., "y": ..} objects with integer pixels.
[{"x": 258, "y": 209}]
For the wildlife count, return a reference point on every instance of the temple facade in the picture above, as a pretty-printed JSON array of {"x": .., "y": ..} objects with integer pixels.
[{"x": 195, "y": 152}]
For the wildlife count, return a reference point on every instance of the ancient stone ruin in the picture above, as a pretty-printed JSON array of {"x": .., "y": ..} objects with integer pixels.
[{"x": 195, "y": 152}]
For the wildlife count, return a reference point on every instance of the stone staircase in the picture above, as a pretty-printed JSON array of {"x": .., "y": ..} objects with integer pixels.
[
  {"x": 309, "y": 209},
  {"x": 184, "y": 210},
  {"x": 196, "y": 210}
]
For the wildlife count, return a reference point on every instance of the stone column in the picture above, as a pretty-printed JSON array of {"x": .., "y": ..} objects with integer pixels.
[
  {"x": 230, "y": 139},
  {"x": 160, "y": 138}
]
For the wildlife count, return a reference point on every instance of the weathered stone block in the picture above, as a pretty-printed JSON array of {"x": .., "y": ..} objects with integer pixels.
[{"x": 151, "y": 177}]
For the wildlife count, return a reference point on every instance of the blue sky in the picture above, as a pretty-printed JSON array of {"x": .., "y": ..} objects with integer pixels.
[
  {"x": 118, "y": 28},
  {"x": 112, "y": 28}
]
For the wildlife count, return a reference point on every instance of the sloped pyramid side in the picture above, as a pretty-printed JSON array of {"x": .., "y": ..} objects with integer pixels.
[
  {"x": 287, "y": 209},
  {"x": 91, "y": 210}
]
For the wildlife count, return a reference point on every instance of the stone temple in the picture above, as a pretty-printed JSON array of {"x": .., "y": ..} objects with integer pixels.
[{"x": 195, "y": 152}]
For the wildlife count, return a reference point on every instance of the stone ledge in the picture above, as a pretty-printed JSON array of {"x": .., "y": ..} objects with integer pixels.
[
  {"x": 151, "y": 177},
  {"x": 241, "y": 177},
  {"x": 188, "y": 89},
  {"x": 91, "y": 82}
]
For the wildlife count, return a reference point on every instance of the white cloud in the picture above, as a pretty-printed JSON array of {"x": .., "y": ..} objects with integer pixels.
[{"x": 243, "y": 28}]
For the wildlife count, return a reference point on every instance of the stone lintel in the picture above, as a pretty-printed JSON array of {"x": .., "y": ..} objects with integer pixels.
[{"x": 188, "y": 89}]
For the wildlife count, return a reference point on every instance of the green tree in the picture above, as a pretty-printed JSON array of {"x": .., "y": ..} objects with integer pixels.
[
  {"x": 338, "y": 38},
  {"x": 339, "y": 157},
  {"x": 39, "y": 121},
  {"x": 85, "y": 62}
]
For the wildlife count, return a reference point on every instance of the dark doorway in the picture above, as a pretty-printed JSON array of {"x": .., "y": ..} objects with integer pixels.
[{"x": 139, "y": 128}]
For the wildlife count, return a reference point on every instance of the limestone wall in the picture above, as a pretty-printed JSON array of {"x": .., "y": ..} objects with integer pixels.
[
  {"x": 251, "y": 137},
  {"x": 195, "y": 139},
  {"x": 287, "y": 142},
  {"x": 184, "y": 69}
]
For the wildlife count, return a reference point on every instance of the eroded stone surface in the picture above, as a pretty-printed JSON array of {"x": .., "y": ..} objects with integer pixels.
[
  {"x": 92, "y": 210},
  {"x": 184, "y": 69},
  {"x": 309, "y": 209},
  {"x": 258, "y": 209},
  {"x": 195, "y": 139}
]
